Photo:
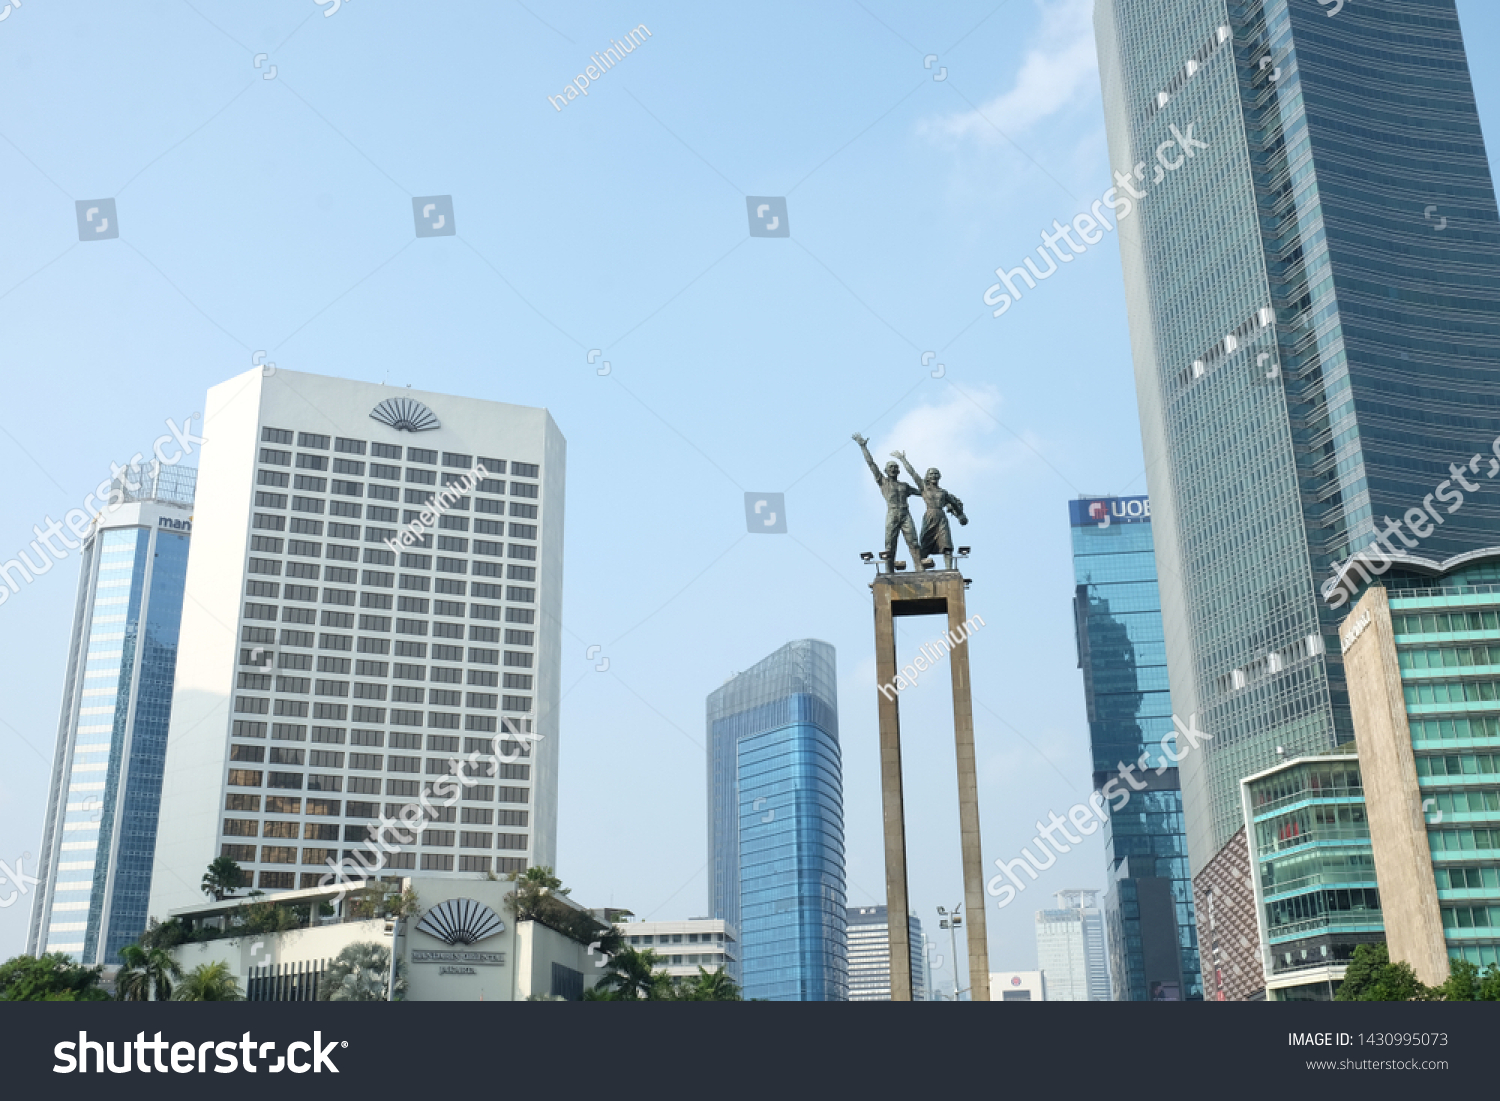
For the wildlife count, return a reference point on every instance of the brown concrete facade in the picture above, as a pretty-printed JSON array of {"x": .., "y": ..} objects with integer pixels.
[
  {"x": 1228, "y": 933},
  {"x": 1393, "y": 801},
  {"x": 931, "y": 592}
]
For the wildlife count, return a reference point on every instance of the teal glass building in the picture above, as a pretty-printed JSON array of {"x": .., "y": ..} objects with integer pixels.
[
  {"x": 1148, "y": 903},
  {"x": 1315, "y": 884},
  {"x": 99, "y": 837},
  {"x": 1312, "y": 268},
  {"x": 1446, "y": 631},
  {"x": 776, "y": 824}
]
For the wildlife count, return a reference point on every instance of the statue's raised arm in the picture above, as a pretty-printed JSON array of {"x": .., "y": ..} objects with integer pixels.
[
  {"x": 911, "y": 470},
  {"x": 869, "y": 461}
]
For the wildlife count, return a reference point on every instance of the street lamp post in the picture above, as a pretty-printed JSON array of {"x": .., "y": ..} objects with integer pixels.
[{"x": 951, "y": 922}]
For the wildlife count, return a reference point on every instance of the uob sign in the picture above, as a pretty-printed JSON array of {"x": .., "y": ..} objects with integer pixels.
[{"x": 1103, "y": 511}]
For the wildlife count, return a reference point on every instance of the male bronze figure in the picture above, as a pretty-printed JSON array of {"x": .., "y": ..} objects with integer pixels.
[
  {"x": 936, "y": 536},
  {"x": 897, "y": 516}
]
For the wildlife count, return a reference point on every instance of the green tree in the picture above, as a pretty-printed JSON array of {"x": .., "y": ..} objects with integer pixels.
[
  {"x": 163, "y": 934},
  {"x": 715, "y": 986},
  {"x": 1462, "y": 984},
  {"x": 378, "y": 898},
  {"x": 1466, "y": 984},
  {"x": 541, "y": 876},
  {"x": 630, "y": 976},
  {"x": 222, "y": 878},
  {"x": 538, "y": 897},
  {"x": 1489, "y": 985},
  {"x": 50, "y": 978},
  {"x": 147, "y": 973},
  {"x": 208, "y": 982},
  {"x": 263, "y": 916},
  {"x": 361, "y": 973},
  {"x": 1372, "y": 977}
]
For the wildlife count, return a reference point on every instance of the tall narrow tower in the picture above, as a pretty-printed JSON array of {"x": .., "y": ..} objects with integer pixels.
[{"x": 102, "y": 812}]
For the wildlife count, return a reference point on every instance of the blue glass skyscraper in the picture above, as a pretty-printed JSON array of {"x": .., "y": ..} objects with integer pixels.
[
  {"x": 1148, "y": 905},
  {"x": 776, "y": 824},
  {"x": 99, "y": 840}
]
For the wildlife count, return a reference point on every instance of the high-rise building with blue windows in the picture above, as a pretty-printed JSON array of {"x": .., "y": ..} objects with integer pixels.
[
  {"x": 1311, "y": 255},
  {"x": 1148, "y": 906},
  {"x": 776, "y": 824},
  {"x": 869, "y": 932},
  {"x": 99, "y": 839}
]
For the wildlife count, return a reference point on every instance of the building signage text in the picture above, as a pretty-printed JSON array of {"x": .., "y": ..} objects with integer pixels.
[
  {"x": 483, "y": 959},
  {"x": 1352, "y": 634}
]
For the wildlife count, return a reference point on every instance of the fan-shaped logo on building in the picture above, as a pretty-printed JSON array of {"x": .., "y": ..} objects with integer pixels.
[
  {"x": 405, "y": 415},
  {"x": 461, "y": 921}
]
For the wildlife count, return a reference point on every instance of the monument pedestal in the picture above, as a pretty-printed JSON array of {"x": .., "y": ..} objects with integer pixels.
[{"x": 930, "y": 592}]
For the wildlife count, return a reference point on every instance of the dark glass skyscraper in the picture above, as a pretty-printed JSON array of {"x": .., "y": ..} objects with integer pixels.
[
  {"x": 776, "y": 824},
  {"x": 99, "y": 840},
  {"x": 1314, "y": 302},
  {"x": 1148, "y": 905}
]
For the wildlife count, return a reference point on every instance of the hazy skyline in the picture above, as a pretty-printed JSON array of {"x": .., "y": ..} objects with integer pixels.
[{"x": 276, "y": 215}]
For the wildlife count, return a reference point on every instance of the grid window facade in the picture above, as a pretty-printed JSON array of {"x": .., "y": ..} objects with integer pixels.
[
  {"x": 1302, "y": 380},
  {"x": 319, "y": 646},
  {"x": 1447, "y": 634}
]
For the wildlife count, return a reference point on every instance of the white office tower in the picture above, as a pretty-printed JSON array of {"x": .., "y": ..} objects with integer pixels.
[
  {"x": 682, "y": 947},
  {"x": 870, "y": 955},
  {"x": 100, "y": 833},
  {"x": 375, "y": 583},
  {"x": 1070, "y": 948}
]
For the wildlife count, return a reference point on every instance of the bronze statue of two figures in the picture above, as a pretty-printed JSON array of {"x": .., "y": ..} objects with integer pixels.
[{"x": 935, "y": 538}]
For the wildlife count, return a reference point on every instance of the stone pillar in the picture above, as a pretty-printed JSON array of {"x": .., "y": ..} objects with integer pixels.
[
  {"x": 932, "y": 592},
  {"x": 968, "y": 800},
  {"x": 892, "y": 799}
]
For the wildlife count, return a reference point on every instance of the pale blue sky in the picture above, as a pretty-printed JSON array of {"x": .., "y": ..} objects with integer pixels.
[{"x": 276, "y": 214}]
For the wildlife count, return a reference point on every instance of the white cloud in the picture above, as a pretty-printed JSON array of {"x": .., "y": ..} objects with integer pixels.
[
  {"x": 1060, "y": 65},
  {"x": 960, "y": 435}
]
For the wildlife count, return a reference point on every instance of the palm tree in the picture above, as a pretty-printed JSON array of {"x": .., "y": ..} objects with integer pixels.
[
  {"x": 361, "y": 973},
  {"x": 209, "y": 982},
  {"x": 147, "y": 972},
  {"x": 711, "y": 987},
  {"x": 628, "y": 976},
  {"x": 222, "y": 878}
]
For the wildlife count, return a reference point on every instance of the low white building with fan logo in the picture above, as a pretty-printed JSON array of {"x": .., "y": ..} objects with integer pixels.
[{"x": 464, "y": 945}]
